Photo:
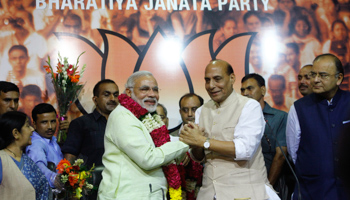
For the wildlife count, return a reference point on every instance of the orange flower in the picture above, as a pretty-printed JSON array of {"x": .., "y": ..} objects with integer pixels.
[
  {"x": 47, "y": 68},
  {"x": 81, "y": 184},
  {"x": 64, "y": 165},
  {"x": 59, "y": 67},
  {"x": 74, "y": 79},
  {"x": 73, "y": 178}
]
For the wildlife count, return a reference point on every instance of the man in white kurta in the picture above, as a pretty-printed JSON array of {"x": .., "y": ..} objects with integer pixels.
[{"x": 133, "y": 165}]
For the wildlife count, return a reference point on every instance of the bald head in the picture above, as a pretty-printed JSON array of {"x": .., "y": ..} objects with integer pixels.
[{"x": 304, "y": 83}]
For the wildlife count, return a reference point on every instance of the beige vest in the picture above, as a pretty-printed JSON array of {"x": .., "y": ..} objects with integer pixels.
[
  {"x": 14, "y": 184},
  {"x": 223, "y": 176}
]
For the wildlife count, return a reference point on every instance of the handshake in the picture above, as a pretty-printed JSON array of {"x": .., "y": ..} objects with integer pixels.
[{"x": 193, "y": 135}]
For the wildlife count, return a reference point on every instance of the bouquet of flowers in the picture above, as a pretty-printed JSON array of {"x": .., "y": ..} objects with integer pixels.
[
  {"x": 74, "y": 177},
  {"x": 67, "y": 87}
]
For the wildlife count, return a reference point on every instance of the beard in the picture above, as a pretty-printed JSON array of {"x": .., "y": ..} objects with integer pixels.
[{"x": 150, "y": 108}]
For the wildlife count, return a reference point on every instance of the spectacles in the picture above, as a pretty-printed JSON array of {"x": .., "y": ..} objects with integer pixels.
[
  {"x": 322, "y": 75},
  {"x": 146, "y": 89}
]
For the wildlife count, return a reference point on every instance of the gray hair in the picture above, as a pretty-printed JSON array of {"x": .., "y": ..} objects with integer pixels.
[
  {"x": 164, "y": 109},
  {"x": 130, "y": 83}
]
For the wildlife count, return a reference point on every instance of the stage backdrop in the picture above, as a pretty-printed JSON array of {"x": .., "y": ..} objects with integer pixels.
[{"x": 173, "y": 39}]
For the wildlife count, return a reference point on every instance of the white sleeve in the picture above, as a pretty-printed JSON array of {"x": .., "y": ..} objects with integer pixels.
[
  {"x": 197, "y": 114},
  {"x": 249, "y": 130},
  {"x": 293, "y": 133}
]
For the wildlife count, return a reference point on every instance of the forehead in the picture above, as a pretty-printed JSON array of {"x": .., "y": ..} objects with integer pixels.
[
  {"x": 160, "y": 110},
  {"x": 9, "y": 95},
  {"x": 16, "y": 52},
  {"x": 190, "y": 102},
  {"x": 31, "y": 98},
  {"x": 325, "y": 64},
  {"x": 250, "y": 82},
  {"x": 46, "y": 116},
  {"x": 216, "y": 69},
  {"x": 111, "y": 87},
  {"x": 305, "y": 70},
  {"x": 275, "y": 83},
  {"x": 146, "y": 81}
]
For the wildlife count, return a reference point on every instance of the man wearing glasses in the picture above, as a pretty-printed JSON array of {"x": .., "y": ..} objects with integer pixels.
[
  {"x": 313, "y": 127},
  {"x": 253, "y": 86},
  {"x": 133, "y": 164}
]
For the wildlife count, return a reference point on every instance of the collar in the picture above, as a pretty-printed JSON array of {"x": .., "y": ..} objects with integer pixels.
[
  {"x": 36, "y": 135},
  {"x": 333, "y": 102},
  {"x": 97, "y": 115},
  {"x": 227, "y": 101},
  {"x": 268, "y": 110}
]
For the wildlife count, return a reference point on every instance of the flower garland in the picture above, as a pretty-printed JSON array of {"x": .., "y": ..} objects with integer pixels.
[{"x": 160, "y": 136}]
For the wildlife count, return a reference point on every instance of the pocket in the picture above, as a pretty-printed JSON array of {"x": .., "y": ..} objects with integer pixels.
[{"x": 157, "y": 192}]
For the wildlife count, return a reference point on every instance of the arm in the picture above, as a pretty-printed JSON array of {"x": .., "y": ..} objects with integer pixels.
[
  {"x": 132, "y": 138},
  {"x": 36, "y": 152},
  {"x": 276, "y": 166},
  {"x": 247, "y": 135},
  {"x": 293, "y": 133},
  {"x": 72, "y": 145}
]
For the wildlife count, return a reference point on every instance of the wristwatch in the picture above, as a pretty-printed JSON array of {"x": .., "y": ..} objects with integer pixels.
[{"x": 206, "y": 144}]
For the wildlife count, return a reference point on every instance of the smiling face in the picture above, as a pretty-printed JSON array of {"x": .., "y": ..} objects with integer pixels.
[
  {"x": 218, "y": 83},
  {"x": 145, "y": 92},
  {"x": 24, "y": 137},
  {"x": 45, "y": 124}
]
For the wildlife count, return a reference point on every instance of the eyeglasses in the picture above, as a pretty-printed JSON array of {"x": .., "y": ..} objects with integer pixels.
[
  {"x": 322, "y": 75},
  {"x": 146, "y": 89}
]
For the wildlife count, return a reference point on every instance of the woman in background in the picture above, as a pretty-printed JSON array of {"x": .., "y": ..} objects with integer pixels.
[{"x": 20, "y": 177}]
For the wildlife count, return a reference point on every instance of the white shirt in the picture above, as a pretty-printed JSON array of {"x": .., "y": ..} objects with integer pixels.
[
  {"x": 293, "y": 132},
  {"x": 248, "y": 131}
]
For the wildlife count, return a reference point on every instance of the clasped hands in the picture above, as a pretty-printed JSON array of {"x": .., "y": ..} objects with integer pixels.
[{"x": 192, "y": 135}]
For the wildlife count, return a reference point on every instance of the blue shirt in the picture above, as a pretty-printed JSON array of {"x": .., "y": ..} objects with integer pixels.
[{"x": 42, "y": 151}]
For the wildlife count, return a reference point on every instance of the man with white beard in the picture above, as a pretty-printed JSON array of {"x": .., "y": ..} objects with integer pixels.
[{"x": 136, "y": 145}]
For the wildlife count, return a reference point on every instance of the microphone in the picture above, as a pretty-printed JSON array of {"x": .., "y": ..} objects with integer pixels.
[{"x": 285, "y": 156}]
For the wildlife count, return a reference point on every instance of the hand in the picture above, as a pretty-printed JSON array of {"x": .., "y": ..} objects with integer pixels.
[
  {"x": 58, "y": 183},
  {"x": 192, "y": 135},
  {"x": 64, "y": 124}
]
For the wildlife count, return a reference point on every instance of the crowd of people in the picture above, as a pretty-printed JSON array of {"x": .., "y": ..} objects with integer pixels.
[
  {"x": 300, "y": 31},
  {"x": 232, "y": 146}
]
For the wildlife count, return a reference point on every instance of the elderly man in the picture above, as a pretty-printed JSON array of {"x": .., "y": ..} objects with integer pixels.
[
  {"x": 313, "y": 127},
  {"x": 230, "y": 144},
  {"x": 133, "y": 162},
  {"x": 304, "y": 84},
  {"x": 163, "y": 113},
  {"x": 9, "y": 97},
  {"x": 253, "y": 86}
]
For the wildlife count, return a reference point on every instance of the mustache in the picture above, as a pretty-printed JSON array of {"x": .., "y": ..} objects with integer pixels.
[
  {"x": 112, "y": 102},
  {"x": 150, "y": 99},
  {"x": 303, "y": 85}
]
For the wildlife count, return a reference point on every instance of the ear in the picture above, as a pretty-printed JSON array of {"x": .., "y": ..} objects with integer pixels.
[
  {"x": 128, "y": 92},
  {"x": 263, "y": 90},
  {"x": 340, "y": 79},
  {"x": 34, "y": 125},
  {"x": 16, "y": 133},
  {"x": 94, "y": 99},
  {"x": 233, "y": 78}
]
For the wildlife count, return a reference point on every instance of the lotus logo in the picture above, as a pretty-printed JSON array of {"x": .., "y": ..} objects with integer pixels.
[{"x": 119, "y": 58}]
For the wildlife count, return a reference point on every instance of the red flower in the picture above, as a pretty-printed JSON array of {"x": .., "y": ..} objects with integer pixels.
[
  {"x": 64, "y": 165},
  {"x": 172, "y": 175},
  {"x": 73, "y": 178}
]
